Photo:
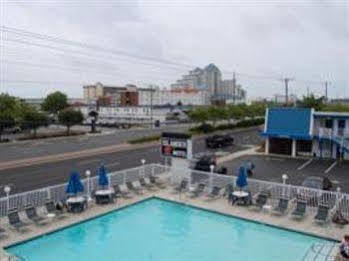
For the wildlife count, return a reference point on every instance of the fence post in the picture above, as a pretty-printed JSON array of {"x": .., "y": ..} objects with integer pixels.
[{"x": 7, "y": 190}]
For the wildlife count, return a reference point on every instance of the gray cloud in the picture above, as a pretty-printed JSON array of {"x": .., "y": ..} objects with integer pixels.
[{"x": 307, "y": 40}]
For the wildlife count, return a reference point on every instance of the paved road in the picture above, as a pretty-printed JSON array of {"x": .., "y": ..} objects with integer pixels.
[
  {"x": 37, "y": 176},
  {"x": 39, "y": 148}
]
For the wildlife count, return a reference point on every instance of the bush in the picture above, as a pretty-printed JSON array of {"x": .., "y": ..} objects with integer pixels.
[
  {"x": 144, "y": 139},
  {"x": 207, "y": 128},
  {"x": 203, "y": 128},
  {"x": 250, "y": 123}
]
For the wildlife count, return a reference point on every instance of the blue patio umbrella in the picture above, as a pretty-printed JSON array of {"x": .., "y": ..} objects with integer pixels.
[
  {"x": 75, "y": 185},
  {"x": 241, "y": 181},
  {"x": 102, "y": 176}
]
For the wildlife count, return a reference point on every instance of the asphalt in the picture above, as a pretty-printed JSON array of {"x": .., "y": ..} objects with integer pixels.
[
  {"x": 45, "y": 147},
  {"x": 48, "y": 174},
  {"x": 271, "y": 168}
]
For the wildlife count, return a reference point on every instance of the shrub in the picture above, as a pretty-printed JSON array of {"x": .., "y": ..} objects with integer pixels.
[{"x": 144, "y": 139}]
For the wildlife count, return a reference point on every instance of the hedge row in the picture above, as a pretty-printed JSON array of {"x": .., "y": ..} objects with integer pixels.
[
  {"x": 208, "y": 128},
  {"x": 145, "y": 139}
]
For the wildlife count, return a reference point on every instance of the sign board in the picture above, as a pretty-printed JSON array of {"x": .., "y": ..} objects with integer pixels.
[{"x": 176, "y": 145}]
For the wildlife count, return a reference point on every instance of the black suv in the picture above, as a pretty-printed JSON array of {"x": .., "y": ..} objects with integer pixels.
[
  {"x": 219, "y": 141},
  {"x": 204, "y": 163}
]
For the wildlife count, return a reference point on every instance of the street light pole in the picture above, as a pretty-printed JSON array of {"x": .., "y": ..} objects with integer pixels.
[
  {"x": 88, "y": 175},
  {"x": 7, "y": 190}
]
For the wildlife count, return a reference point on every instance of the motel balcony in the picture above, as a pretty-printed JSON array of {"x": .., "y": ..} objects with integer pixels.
[{"x": 330, "y": 133}]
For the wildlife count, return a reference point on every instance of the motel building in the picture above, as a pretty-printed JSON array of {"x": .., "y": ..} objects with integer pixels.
[{"x": 306, "y": 132}]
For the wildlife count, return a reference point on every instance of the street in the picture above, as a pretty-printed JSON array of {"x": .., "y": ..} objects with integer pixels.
[{"x": 48, "y": 174}]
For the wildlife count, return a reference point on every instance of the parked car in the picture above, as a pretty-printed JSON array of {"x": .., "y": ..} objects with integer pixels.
[
  {"x": 204, "y": 163},
  {"x": 219, "y": 141},
  {"x": 322, "y": 183},
  {"x": 315, "y": 196}
]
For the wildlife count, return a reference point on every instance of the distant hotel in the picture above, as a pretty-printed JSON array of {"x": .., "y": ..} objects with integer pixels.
[
  {"x": 199, "y": 87},
  {"x": 210, "y": 80}
]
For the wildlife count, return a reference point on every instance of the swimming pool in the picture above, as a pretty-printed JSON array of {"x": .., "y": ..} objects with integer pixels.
[{"x": 160, "y": 230}]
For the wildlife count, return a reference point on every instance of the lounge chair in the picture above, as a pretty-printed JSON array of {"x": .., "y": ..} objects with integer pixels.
[
  {"x": 51, "y": 209},
  {"x": 214, "y": 193},
  {"x": 261, "y": 200},
  {"x": 31, "y": 213},
  {"x": 322, "y": 214},
  {"x": 281, "y": 207},
  {"x": 136, "y": 186},
  {"x": 228, "y": 192},
  {"x": 181, "y": 187},
  {"x": 300, "y": 210},
  {"x": 147, "y": 184},
  {"x": 123, "y": 191},
  {"x": 197, "y": 191},
  {"x": 15, "y": 221},
  {"x": 156, "y": 181}
]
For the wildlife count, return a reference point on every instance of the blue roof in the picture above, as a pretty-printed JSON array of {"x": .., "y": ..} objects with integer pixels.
[{"x": 288, "y": 123}]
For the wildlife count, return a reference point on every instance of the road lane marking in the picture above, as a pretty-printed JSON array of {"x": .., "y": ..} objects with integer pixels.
[
  {"x": 112, "y": 164},
  {"x": 305, "y": 164}
]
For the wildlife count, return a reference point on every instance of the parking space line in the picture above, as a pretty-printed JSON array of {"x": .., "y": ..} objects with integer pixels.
[
  {"x": 331, "y": 167},
  {"x": 305, "y": 164}
]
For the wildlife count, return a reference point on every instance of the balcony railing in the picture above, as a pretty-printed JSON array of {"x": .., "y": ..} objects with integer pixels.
[{"x": 331, "y": 133}]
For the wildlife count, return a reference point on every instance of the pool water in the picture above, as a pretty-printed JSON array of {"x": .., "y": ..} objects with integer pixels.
[{"x": 159, "y": 230}]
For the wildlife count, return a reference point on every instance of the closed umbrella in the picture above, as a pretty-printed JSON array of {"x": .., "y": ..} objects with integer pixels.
[
  {"x": 102, "y": 176},
  {"x": 241, "y": 181},
  {"x": 75, "y": 185}
]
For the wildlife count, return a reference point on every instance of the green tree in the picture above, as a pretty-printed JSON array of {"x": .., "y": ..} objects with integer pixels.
[
  {"x": 214, "y": 114},
  {"x": 33, "y": 119},
  {"x": 199, "y": 115},
  {"x": 312, "y": 102},
  {"x": 55, "y": 102},
  {"x": 8, "y": 109},
  {"x": 69, "y": 118}
]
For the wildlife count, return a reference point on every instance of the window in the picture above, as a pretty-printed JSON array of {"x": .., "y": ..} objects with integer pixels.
[
  {"x": 341, "y": 124},
  {"x": 329, "y": 123}
]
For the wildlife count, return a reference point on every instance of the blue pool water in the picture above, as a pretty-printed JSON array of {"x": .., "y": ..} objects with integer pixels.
[{"x": 158, "y": 230}]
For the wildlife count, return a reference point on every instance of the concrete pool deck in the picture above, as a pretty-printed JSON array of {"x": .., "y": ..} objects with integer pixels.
[{"x": 329, "y": 231}]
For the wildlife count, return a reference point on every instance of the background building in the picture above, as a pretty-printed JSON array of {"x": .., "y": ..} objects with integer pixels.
[{"x": 210, "y": 80}]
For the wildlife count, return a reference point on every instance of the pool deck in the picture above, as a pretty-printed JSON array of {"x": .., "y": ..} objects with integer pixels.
[{"x": 329, "y": 231}]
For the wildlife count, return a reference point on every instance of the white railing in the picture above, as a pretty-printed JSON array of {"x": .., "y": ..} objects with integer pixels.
[
  {"x": 325, "y": 132},
  {"x": 313, "y": 197},
  {"x": 57, "y": 193}
]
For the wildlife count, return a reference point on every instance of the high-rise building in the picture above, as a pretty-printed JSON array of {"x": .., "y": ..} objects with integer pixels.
[{"x": 210, "y": 80}]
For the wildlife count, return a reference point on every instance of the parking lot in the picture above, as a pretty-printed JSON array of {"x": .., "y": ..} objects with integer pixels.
[{"x": 271, "y": 168}]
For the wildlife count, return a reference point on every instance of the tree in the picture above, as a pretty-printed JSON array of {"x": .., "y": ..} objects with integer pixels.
[
  {"x": 69, "y": 118},
  {"x": 55, "y": 102},
  {"x": 33, "y": 119},
  {"x": 199, "y": 115},
  {"x": 8, "y": 106},
  {"x": 312, "y": 102},
  {"x": 214, "y": 114}
]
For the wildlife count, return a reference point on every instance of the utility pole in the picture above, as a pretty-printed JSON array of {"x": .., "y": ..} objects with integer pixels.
[
  {"x": 151, "y": 106},
  {"x": 286, "y": 81},
  {"x": 326, "y": 90},
  {"x": 234, "y": 88},
  {"x": 308, "y": 92}
]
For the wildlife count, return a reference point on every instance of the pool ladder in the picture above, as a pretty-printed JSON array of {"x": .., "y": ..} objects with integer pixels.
[{"x": 320, "y": 252}]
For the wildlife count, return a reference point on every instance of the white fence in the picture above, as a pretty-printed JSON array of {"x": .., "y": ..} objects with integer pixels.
[
  {"x": 313, "y": 197},
  {"x": 57, "y": 193}
]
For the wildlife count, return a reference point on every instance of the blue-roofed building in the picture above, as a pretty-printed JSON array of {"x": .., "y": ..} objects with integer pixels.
[{"x": 302, "y": 131}]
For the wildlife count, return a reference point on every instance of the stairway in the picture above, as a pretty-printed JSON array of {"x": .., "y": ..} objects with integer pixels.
[{"x": 320, "y": 252}]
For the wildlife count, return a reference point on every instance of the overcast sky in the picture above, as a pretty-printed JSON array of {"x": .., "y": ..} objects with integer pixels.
[{"x": 262, "y": 41}]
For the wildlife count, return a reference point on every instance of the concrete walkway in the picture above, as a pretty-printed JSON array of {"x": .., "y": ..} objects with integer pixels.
[{"x": 221, "y": 205}]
